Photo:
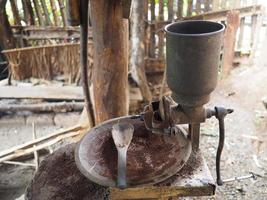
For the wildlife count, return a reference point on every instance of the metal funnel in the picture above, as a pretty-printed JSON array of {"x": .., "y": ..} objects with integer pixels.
[{"x": 193, "y": 55}]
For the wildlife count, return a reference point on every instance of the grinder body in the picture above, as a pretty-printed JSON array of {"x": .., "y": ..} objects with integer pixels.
[{"x": 193, "y": 51}]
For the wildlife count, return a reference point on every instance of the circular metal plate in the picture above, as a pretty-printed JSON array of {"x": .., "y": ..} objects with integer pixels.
[{"x": 151, "y": 158}]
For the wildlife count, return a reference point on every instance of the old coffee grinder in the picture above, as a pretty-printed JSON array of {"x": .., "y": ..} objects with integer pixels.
[{"x": 146, "y": 149}]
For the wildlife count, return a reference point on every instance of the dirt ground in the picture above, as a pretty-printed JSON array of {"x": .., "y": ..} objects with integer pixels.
[{"x": 245, "y": 148}]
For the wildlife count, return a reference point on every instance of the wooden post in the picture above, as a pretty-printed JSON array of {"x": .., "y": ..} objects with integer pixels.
[
  {"x": 38, "y": 12},
  {"x": 152, "y": 30},
  {"x": 110, "y": 35},
  {"x": 161, "y": 33},
  {"x": 137, "y": 59},
  {"x": 180, "y": 9},
  {"x": 232, "y": 24},
  {"x": 54, "y": 11},
  {"x": 15, "y": 12}
]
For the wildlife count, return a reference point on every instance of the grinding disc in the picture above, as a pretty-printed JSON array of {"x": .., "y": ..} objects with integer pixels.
[{"x": 151, "y": 158}]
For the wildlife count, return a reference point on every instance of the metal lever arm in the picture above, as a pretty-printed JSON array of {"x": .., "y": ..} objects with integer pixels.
[{"x": 220, "y": 114}]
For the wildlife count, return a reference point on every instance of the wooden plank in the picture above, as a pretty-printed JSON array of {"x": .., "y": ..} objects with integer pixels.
[
  {"x": 38, "y": 141},
  {"x": 41, "y": 92},
  {"x": 229, "y": 41},
  {"x": 220, "y": 15},
  {"x": 43, "y": 107},
  {"x": 31, "y": 33}
]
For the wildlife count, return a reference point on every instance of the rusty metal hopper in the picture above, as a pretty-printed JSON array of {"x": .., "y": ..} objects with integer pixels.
[{"x": 151, "y": 158}]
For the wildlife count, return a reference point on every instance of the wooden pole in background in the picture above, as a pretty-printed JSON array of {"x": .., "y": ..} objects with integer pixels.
[
  {"x": 54, "y": 11},
  {"x": 110, "y": 82},
  {"x": 45, "y": 13},
  {"x": 170, "y": 9},
  {"x": 28, "y": 12},
  {"x": 152, "y": 30},
  {"x": 137, "y": 58},
  {"x": 15, "y": 12},
  {"x": 63, "y": 12},
  {"x": 180, "y": 4},
  {"x": 189, "y": 7},
  {"x": 160, "y": 32},
  {"x": 38, "y": 12}
]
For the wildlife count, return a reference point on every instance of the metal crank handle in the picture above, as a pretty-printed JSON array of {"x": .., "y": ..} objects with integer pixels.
[{"x": 220, "y": 114}]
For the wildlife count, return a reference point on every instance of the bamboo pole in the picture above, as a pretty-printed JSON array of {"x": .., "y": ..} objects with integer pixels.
[
  {"x": 54, "y": 11},
  {"x": 38, "y": 12},
  {"x": 63, "y": 12},
  {"x": 45, "y": 13},
  {"x": 15, "y": 12}
]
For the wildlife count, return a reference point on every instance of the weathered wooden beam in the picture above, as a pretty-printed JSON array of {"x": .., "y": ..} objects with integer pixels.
[
  {"x": 220, "y": 15},
  {"x": 232, "y": 24},
  {"x": 35, "y": 33},
  {"x": 109, "y": 78},
  {"x": 137, "y": 58},
  {"x": 43, "y": 107},
  {"x": 38, "y": 92}
]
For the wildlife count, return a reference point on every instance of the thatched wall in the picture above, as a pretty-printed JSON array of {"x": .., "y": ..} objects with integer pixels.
[{"x": 47, "y": 61}]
